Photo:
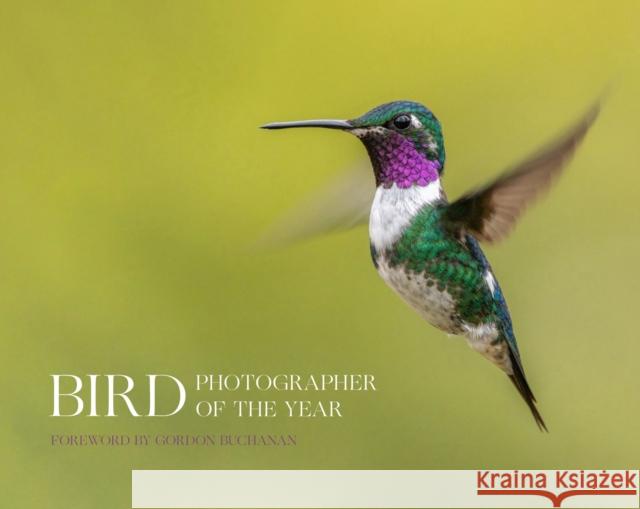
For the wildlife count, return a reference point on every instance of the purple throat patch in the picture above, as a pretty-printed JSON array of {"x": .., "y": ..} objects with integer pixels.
[{"x": 400, "y": 163}]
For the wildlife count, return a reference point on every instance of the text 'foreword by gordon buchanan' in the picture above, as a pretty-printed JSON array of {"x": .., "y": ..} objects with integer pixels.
[{"x": 244, "y": 395}]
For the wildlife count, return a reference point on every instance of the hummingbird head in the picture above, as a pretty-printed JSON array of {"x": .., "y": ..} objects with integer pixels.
[{"x": 403, "y": 138}]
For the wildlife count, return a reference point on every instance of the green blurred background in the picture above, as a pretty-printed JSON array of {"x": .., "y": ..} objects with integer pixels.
[{"x": 134, "y": 181}]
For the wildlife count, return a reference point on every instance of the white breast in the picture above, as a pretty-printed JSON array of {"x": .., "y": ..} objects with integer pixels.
[{"x": 393, "y": 209}]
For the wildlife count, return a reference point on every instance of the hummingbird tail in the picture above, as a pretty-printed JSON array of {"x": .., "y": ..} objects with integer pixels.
[{"x": 520, "y": 383}]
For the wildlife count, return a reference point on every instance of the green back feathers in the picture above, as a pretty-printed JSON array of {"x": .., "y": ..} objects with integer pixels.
[{"x": 426, "y": 247}]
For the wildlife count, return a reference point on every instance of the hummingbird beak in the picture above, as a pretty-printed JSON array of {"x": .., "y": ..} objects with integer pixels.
[{"x": 329, "y": 124}]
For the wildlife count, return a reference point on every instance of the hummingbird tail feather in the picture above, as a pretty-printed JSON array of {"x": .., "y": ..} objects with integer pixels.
[{"x": 520, "y": 383}]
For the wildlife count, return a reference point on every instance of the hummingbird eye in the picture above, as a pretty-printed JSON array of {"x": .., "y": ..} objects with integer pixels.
[{"x": 401, "y": 122}]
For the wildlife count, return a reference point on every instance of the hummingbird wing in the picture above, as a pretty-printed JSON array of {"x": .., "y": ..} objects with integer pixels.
[
  {"x": 341, "y": 204},
  {"x": 491, "y": 211}
]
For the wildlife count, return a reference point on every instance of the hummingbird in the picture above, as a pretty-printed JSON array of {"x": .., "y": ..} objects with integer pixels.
[{"x": 427, "y": 248}]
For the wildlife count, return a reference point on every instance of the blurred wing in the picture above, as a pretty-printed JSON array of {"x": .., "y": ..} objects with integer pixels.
[
  {"x": 490, "y": 212},
  {"x": 341, "y": 204}
]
